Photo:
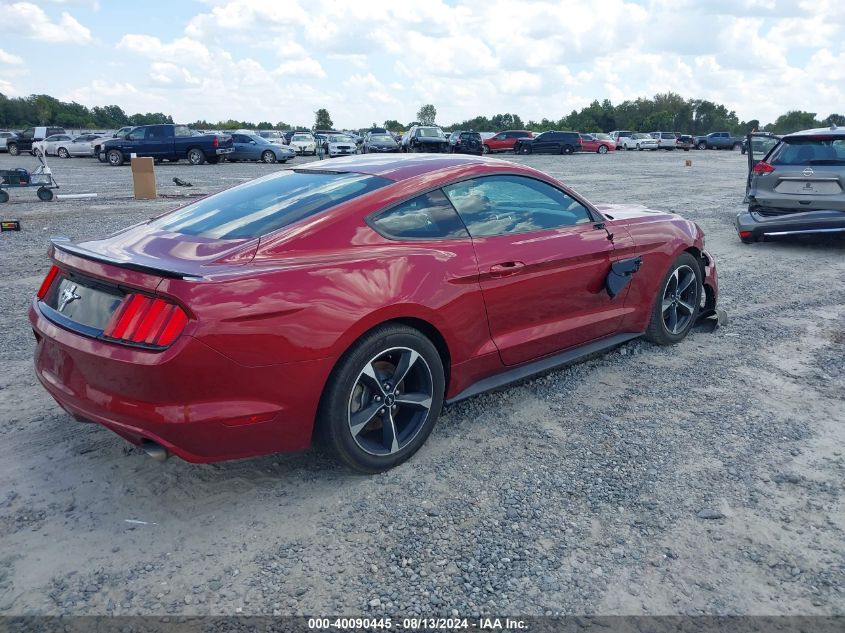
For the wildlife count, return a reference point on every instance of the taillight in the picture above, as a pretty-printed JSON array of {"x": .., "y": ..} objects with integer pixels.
[
  {"x": 763, "y": 168},
  {"x": 48, "y": 281},
  {"x": 146, "y": 320},
  {"x": 215, "y": 142},
  {"x": 745, "y": 234}
]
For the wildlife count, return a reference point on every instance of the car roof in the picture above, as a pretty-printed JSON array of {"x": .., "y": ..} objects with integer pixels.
[
  {"x": 402, "y": 167},
  {"x": 819, "y": 131}
]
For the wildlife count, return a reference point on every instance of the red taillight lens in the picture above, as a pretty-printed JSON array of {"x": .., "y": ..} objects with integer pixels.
[
  {"x": 147, "y": 321},
  {"x": 48, "y": 281},
  {"x": 745, "y": 234},
  {"x": 763, "y": 168},
  {"x": 216, "y": 142}
]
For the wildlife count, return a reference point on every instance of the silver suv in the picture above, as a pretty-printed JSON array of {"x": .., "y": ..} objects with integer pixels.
[{"x": 796, "y": 185}]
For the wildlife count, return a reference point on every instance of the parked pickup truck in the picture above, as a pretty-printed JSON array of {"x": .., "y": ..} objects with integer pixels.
[
  {"x": 718, "y": 140},
  {"x": 168, "y": 142}
]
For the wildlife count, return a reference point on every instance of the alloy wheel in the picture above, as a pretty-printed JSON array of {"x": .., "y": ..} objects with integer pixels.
[
  {"x": 679, "y": 297},
  {"x": 390, "y": 401}
]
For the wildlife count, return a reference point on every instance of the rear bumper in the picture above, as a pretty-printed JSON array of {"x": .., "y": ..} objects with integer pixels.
[
  {"x": 761, "y": 226},
  {"x": 224, "y": 150},
  {"x": 711, "y": 282},
  {"x": 194, "y": 401}
]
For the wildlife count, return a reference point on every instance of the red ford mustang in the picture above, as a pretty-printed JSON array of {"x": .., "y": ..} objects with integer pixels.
[{"x": 348, "y": 300}]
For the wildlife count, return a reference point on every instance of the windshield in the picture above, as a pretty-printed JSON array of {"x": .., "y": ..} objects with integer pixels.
[
  {"x": 269, "y": 135},
  {"x": 302, "y": 137},
  {"x": 261, "y": 206},
  {"x": 381, "y": 138},
  {"x": 809, "y": 150},
  {"x": 258, "y": 139},
  {"x": 340, "y": 138},
  {"x": 603, "y": 137},
  {"x": 430, "y": 132}
]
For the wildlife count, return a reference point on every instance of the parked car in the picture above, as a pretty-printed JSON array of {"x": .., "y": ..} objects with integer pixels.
[
  {"x": 685, "y": 142},
  {"x": 619, "y": 136},
  {"x": 551, "y": 142},
  {"x": 718, "y": 140},
  {"x": 463, "y": 142},
  {"x": 23, "y": 141},
  {"x": 48, "y": 146},
  {"x": 348, "y": 301},
  {"x": 379, "y": 143},
  {"x": 4, "y": 138},
  {"x": 425, "y": 138},
  {"x": 254, "y": 147},
  {"x": 597, "y": 143},
  {"x": 795, "y": 186},
  {"x": 339, "y": 145},
  {"x": 665, "y": 140},
  {"x": 272, "y": 136},
  {"x": 304, "y": 143},
  {"x": 639, "y": 142},
  {"x": 80, "y": 145},
  {"x": 167, "y": 142},
  {"x": 504, "y": 141},
  {"x": 759, "y": 137}
]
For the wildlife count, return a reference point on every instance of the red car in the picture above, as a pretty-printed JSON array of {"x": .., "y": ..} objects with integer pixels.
[
  {"x": 504, "y": 141},
  {"x": 348, "y": 300},
  {"x": 598, "y": 143}
]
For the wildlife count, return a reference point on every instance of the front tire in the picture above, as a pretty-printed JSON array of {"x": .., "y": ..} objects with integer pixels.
[
  {"x": 702, "y": 146},
  {"x": 602, "y": 149},
  {"x": 115, "y": 157},
  {"x": 677, "y": 303},
  {"x": 525, "y": 149},
  {"x": 382, "y": 399},
  {"x": 485, "y": 149},
  {"x": 13, "y": 150},
  {"x": 63, "y": 153},
  {"x": 268, "y": 157}
]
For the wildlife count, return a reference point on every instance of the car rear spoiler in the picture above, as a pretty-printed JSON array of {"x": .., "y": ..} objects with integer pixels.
[{"x": 66, "y": 246}]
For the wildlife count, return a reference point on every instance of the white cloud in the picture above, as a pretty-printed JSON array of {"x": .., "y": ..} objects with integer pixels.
[
  {"x": 31, "y": 21},
  {"x": 307, "y": 67},
  {"x": 8, "y": 58}
]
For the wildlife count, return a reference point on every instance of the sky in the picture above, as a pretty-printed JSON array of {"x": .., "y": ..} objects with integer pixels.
[{"x": 371, "y": 60}]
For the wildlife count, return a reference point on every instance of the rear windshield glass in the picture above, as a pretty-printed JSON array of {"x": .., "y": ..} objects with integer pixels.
[
  {"x": 809, "y": 151},
  {"x": 261, "y": 206}
]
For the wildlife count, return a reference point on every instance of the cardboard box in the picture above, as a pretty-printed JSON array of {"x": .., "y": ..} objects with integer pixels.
[{"x": 144, "y": 178}]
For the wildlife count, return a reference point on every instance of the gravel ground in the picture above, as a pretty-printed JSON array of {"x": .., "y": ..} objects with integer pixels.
[{"x": 703, "y": 478}]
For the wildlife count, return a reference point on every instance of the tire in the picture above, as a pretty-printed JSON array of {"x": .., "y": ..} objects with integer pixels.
[
  {"x": 196, "y": 156},
  {"x": 602, "y": 149},
  {"x": 567, "y": 149},
  {"x": 4, "y": 196},
  {"x": 268, "y": 157},
  {"x": 63, "y": 153},
  {"x": 702, "y": 146},
  {"x": 525, "y": 149},
  {"x": 44, "y": 194},
  {"x": 639, "y": 149},
  {"x": 360, "y": 386},
  {"x": 677, "y": 302},
  {"x": 115, "y": 157},
  {"x": 101, "y": 156},
  {"x": 485, "y": 149},
  {"x": 13, "y": 150}
]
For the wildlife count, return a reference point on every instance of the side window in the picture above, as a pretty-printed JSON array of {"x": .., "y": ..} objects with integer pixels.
[
  {"x": 426, "y": 217},
  {"x": 181, "y": 130},
  {"x": 499, "y": 205},
  {"x": 137, "y": 134}
]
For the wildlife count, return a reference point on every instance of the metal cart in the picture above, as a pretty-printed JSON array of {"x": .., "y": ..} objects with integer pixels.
[{"x": 42, "y": 178}]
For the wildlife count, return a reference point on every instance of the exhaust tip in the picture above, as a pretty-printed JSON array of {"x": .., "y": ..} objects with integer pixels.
[{"x": 155, "y": 450}]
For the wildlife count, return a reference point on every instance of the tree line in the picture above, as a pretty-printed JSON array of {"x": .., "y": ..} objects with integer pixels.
[{"x": 665, "y": 112}]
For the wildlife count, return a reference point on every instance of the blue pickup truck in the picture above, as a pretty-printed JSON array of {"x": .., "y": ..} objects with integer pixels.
[
  {"x": 167, "y": 142},
  {"x": 718, "y": 140}
]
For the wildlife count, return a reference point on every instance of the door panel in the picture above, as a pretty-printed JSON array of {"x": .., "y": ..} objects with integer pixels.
[{"x": 543, "y": 263}]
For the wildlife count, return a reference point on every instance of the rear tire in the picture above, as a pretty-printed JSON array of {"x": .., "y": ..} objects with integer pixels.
[
  {"x": 567, "y": 149},
  {"x": 485, "y": 149},
  {"x": 737, "y": 146},
  {"x": 196, "y": 156},
  {"x": 677, "y": 302},
  {"x": 382, "y": 399},
  {"x": 13, "y": 150}
]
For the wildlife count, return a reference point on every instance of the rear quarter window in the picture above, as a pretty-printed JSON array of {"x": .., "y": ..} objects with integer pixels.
[{"x": 427, "y": 217}]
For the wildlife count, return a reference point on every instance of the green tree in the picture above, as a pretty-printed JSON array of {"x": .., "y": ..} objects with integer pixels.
[
  {"x": 391, "y": 124},
  {"x": 834, "y": 119},
  {"x": 322, "y": 120},
  {"x": 427, "y": 115},
  {"x": 795, "y": 120}
]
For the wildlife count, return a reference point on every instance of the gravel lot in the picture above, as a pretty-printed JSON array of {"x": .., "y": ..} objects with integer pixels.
[{"x": 704, "y": 478}]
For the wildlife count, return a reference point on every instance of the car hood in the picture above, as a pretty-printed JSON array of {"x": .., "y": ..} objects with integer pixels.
[{"x": 628, "y": 211}]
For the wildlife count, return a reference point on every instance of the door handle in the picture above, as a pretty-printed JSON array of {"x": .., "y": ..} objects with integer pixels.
[{"x": 505, "y": 268}]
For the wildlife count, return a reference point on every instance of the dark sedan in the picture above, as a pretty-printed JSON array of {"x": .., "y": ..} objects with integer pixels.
[
  {"x": 796, "y": 185},
  {"x": 348, "y": 300},
  {"x": 377, "y": 143}
]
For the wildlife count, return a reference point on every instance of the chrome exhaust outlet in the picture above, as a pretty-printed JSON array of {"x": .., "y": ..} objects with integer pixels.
[{"x": 154, "y": 450}]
